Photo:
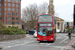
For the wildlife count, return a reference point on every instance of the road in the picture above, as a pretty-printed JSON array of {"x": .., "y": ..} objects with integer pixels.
[{"x": 30, "y": 43}]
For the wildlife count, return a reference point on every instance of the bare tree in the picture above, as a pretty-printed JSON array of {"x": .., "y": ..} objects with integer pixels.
[
  {"x": 30, "y": 13},
  {"x": 2, "y": 26},
  {"x": 43, "y": 8}
]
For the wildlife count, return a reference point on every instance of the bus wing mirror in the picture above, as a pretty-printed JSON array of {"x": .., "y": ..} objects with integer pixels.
[{"x": 53, "y": 27}]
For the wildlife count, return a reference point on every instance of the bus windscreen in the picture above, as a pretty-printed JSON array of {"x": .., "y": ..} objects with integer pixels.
[
  {"x": 45, "y": 31},
  {"x": 45, "y": 18}
]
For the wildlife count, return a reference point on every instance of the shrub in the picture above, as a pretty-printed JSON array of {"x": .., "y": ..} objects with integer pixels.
[
  {"x": 14, "y": 27},
  {"x": 70, "y": 29},
  {"x": 12, "y": 30}
]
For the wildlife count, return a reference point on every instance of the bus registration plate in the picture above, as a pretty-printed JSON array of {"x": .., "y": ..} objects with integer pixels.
[{"x": 44, "y": 40}]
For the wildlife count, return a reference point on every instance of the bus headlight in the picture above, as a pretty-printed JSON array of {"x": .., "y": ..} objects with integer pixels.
[
  {"x": 51, "y": 38},
  {"x": 38, "y": 38}
]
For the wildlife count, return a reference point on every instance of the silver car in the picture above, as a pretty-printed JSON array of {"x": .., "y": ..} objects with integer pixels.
[{"x": 35, "y": 34}]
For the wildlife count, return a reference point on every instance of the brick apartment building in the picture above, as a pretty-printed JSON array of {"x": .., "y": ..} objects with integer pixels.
[{"x": 10, "y": 12}]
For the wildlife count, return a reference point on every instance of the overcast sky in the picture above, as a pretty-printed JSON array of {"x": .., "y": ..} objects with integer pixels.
[{"x": 63, "y": 8}]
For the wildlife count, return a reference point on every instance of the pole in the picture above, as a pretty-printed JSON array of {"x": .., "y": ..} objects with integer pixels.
[{"x": 74, "y": 20}]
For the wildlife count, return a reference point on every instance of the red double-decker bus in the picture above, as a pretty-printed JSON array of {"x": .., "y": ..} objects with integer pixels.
[{"x": 46, "y": 30}]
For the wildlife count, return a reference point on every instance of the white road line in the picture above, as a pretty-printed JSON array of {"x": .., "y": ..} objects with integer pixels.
[
  {"x": 73, "y": 43},
  {"x": 69, "y": 47},
  {"x": 64, "y": 40}
]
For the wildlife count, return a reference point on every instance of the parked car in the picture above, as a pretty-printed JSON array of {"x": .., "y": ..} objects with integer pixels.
[
  {"x": 31, "y": 32},
  {"x": 35, "y": 34}
]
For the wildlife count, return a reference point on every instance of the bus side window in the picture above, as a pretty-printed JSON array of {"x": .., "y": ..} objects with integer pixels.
[
  {"x": 55, "y": 24},
  {"x": 54, "y": 21},
  {"x": 38, "y": 24},
  {"x": 54, "y": 30}
]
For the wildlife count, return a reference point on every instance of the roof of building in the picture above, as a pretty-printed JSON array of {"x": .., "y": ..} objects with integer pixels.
[{"x": 58, "y": 19}]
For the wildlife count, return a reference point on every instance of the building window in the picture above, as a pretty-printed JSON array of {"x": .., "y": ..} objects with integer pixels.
[
  {"x": 13, "y": 14},
  {"x": 13, "y": 5},
  {"x": 5, "y": 0},
  {"x": 13, "y": 0},
  {"x": 13, "y": 18},
  {"x": 5, "y": 18},
  {"x": 17, "y": 5},
  {"x": 9, "y": 22},
  {"x": 17, "y": 14},
  {"x": 0, "y": 13},
  {"x": 13, "y": 22},
  {"x": 0, "y": 9},
  {"x": 0, "y": 18},
  {"x": 9, "y": 0},
  {"x": 0, "y": 4},
  {"x": 17, "y": 22},
  {"x": 13, "y": 9},
  {"x": 17, "y": 1},
  {"x": 0, "y": 0},
  {"x": 5, "y": 13},
  {"x": 9, "y": 18},
  {"x": 9, "y": 13},
  {"x": 5, "y": 22},
  {"x": 17, "y": 18},
  {"x": 9, "y": 4},
  {"x": 5, "y": 4},
  {"x": 9, "y": 9},
  {"x": 5, "y": 9},
  {"x": 17, "y": 9}
]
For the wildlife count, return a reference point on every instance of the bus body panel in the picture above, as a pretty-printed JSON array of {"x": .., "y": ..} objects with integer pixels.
[{"x": 45, "y": 38}]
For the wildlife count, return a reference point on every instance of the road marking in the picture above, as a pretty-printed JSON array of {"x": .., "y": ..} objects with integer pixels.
[
  {"x": 64, "y": 40},
  {"x": 73, "y": 42},
  {"x": 69, "y": 43}
]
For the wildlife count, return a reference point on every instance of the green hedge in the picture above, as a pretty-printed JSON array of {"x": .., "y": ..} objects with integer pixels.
[{"x": 12, "y": 30}]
